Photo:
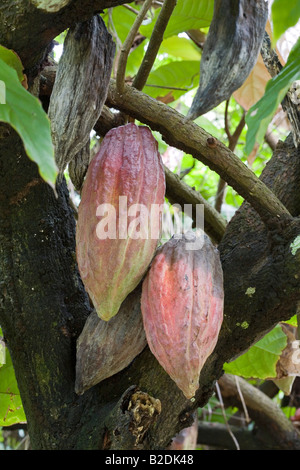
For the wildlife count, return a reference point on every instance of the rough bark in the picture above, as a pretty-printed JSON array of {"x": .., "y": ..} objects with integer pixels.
[{"x": 29, "y": 30}]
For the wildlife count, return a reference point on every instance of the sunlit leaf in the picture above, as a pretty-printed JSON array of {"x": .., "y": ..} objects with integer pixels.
[
  {"x": 180, "y": 47},
  {"x": 260, "y": 115},
  {"x": 25, "y": 114},
  {"x": 119, "y": 21},
  {"x": 188, "y": 14},
  {"x": 12, "y": 59},
  {"x": 261, "y": 359},
  {"x": 11, "y": 408},
  {"x": 176, "y": 77},
  {"x": 284, "y": 15}
]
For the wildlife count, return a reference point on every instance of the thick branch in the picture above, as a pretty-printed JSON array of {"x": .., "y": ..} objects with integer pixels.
[
  {"x": 192, "y": 139},
  {"x": 15, "y": 16},
  {"x": 216, "y": 435},
  {"x": 181, "y": 193},
  {"x": 154, "y": 44}
]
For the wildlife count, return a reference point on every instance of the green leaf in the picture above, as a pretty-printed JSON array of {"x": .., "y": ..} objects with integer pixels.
[
  {"x": 120, "y": 21},
  {"x": 25, "y": 114},
  {"x": 260, "y": 360},
  {"x": 2, "y": 350},
  {"x": 292, "y": 321},
  {"x": 180, "y": 47},
  {"x": 134, "y": 60},
  {"x": 188, "y": 14},
  {"x": 260, "y": 115},
  {"x": 284, "y": 15},
  {"x": 178, "y": 74},
  {"x": 12, "y": 59},
  {"x": 11, "y": 408}
]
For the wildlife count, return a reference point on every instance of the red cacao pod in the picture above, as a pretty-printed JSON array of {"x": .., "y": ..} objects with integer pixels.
[
  {"x": 104, "y": 348},
  {"x": 127, "y": 173},
  {"x": 182, "y": 307}
]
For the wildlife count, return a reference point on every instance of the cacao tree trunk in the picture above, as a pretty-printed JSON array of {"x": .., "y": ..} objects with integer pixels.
[{"x": 43, "y": 305}]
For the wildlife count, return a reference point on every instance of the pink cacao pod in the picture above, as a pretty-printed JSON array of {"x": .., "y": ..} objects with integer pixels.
[
  {"x": 182, "y": 307},
  {"x": 125, "y": 182}
]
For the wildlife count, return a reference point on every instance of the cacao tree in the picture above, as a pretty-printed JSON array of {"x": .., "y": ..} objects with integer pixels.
[{"x": 71, "y": 381}]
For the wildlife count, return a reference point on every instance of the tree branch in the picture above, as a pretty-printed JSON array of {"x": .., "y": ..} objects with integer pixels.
[
  {"x": 274, "y": 66},
  {"x": 216, "y": 435},
  {"x": 179, "y": 192},
  {"x": 267, "y": 415},
  {"x": 192, "y": 139},
  {"x": 232, "y": 140},
  {"x": 125, "y": 49},
  {"x": 45, "y": 26},
  {"x": 176, "y": 190},
  {"x": 154, "y": 44}
]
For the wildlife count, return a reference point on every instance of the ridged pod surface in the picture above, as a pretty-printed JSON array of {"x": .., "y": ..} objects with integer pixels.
[
  {"x": 230, "y": 51},
  {"x": 182, "y": 307},
  {"x": 113, "y": 249},
  {"x": 104, "y": 348}
]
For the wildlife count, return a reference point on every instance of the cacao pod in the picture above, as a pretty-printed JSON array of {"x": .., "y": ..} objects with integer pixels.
[
  {"x": 182, "y": 308},
  {"x": 230, "y": 51},
  {"x": 127, "y": 173},
  {"x": 76, "y": 101},
  {"x": 105, "y": 348}
]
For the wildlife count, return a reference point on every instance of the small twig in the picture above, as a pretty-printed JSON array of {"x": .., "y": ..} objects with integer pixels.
[
  {"x": 187, "y": 88},
  {"x": 226, "y": 123},
  {"x": 269, "y": 56},
  {"x": 126, "y": 46},
  {"x": 167, "y": 87},
  {"x": 274, "y": 67},
  {"x": 225, "y": 418},
  {"x": 232, "y": 141},
  {"x": 242, "y": 400},
  {"x": 117, "y": 39},
  {"x": 154, "y": 44},
  {"x": 130, "y": 8}
]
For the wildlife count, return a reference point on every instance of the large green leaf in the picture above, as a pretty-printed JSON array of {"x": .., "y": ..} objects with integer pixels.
[
  {"x": 134, "y": 60},
  {"x": 13, "y": 60},
  {"x": 119, "y": 21},
  {"x": 188, "y": 14},
  {"x": 178, "y": 74},
  {"x": 2, "y": 350},
  {"x": 260, "y": 115},
  {"x": 260, "y": 360},
  {"x": 25, "y": 114},
  {"x": 11, "y": 408},
  {"x": 180, "y": 47},
  {"x": 284, "y": 15}
]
